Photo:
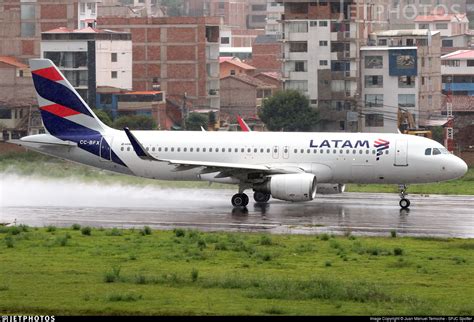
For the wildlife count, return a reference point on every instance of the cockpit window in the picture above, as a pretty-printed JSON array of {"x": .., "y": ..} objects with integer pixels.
[
  {"x": 436, "y": 151},
  {"x": 428, "y": 151}
]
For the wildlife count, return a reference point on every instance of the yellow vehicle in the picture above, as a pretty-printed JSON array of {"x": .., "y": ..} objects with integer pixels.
[{"x": 406, "y": 124}]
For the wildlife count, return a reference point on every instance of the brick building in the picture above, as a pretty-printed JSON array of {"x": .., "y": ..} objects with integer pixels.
[
  {"x": 266, "y": 54},
  {"x": 22, "y": 21},
  {"x": 17, "y": 100},
  {"x": 179, "y": 55},
  {"x": 234, "y": 13},
  {"x": 242, "y": 95}
]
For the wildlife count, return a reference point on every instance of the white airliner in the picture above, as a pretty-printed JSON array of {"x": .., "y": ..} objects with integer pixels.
[{"x": 285, "y": 166}]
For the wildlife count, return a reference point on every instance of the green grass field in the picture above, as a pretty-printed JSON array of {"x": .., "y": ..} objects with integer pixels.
[
  {"x": 77, "y": 271},
  {"x": 32, "y": 163}
]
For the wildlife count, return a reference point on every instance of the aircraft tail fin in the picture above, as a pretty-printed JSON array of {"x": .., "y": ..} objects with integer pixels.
[{"x": 65, "y": 114}]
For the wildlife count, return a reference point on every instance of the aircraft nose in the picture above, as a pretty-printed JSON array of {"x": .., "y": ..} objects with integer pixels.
[{"x": 459, "y": 167}]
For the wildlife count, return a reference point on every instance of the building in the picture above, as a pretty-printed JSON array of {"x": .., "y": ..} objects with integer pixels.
[
  {"x": 233, "y": 12},
  {"x": 457, "y": 70},
  {"x": 178, "y": 55},
  {"x": 272, "y": 78},
  {"x": 275, "y": 11},
  {"x": 242, "y": 95},
  {"x": 401, "y": 69},
  {"x": 266, "y": 54},
  {"x": 401, "y": 14},
  {"x": 90, "y": 58},
  {"x": 257, "y": 14},
  {"x": 149, "y": 103},
  {"x": 447, "y": 24},
  {"x": 320, "y": 57},
  {"x": 22, "y": 21},
  {"x": 17, "y": 100},
  {"x": 234, "y": 66}
]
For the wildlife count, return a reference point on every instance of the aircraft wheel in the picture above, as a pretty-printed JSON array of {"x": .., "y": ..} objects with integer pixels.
[
  {"x": 240, "y": 200},
  {"x": 404, "y": 203},
  {"x": 261, "y": 196}
]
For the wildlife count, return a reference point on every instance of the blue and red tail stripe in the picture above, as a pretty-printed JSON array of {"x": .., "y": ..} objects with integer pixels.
[{"x": 65, "y": 114}]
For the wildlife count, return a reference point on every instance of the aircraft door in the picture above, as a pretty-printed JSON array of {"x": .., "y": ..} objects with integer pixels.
[
  {"x": 286, "y": 152},
  {"x": 401, "y": 153},
  {"x": 105, "y": 150},
  {"x": 275, "y": 152}
]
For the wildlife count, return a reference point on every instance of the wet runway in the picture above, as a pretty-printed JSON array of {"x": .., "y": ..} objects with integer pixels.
[{"x": 37, "y": 202}]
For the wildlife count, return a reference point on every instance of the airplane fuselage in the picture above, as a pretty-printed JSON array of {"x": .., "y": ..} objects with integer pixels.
[{"x": 332, "y": 157}]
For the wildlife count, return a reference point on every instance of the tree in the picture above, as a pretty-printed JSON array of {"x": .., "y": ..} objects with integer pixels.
[
  {"x": 438, "y": 134},
  {"x": 195, "y": 121},
  {"x": 135, "y": 122},
  {"x": 288, "y": 110},
  {"x": 103, "y": 116}
]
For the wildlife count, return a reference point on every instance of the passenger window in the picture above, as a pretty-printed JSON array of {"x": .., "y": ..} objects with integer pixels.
[
  {"x": 242, "y": 150},
  {"x": 190, "y": 149},
  {"x": 261, "y": 150},
  {"x": 328, "y": 151},
  {"x": 249, "y": 150},
  {"x": 321, "y": 151},
  {"x": 436, "y": 151},
  {"x": 197, "y": 149},
  {"x": 308, "y": 151},
  {"x": 268, "y": 150},
  {"x": 302, "y": 150},
  {"x": 153, "y": 149},
  {"x": 185, "y": 149},
  {"x": 229, "y": 150},
  {"x": 159, "y": 149},
  {"x": 334, "y": 151},
  {"x": 166, "y": 149},
  {"x": 360, "y": 151},
  {"x": 147, "y": 148},
  {"x": 295, "y": 151},
  {"x": 348, "y": 151},
  {"x": 373, "y": 151},
  {"x": 121, "y": 149},
  {"x": 386, "y": 151},
  {"x": 236, "y": 150},
  {"x": 428, "y": 151},
  {"x": 217, "y": 149},
  {"x": 341, "y": 151},
  {"x": 172, "y": 149},
  {"x": 354, "y": 151},
  {"x": 315, "y": 151},
  {"x": 255, "y": 150},
  {"x": 210, "y": 149},
  {"x": 179, "y": 149},
  {"x": 203, "y": 149}
]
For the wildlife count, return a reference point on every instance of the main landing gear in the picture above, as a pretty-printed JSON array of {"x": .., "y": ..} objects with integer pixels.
[
  {"x": 404, "y": 202},
  {"x": 242, "y": 200}
]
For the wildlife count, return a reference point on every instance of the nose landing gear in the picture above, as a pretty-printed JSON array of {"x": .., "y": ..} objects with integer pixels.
[{"x": 404, "y": 202}]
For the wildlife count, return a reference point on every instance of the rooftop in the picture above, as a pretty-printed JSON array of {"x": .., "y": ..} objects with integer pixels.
[
  {"x": 235, "y": 61},
  {"x": 249, "y": 80},
  {"x": 87, "y": 30},
  {"x": 460, "y": 54},
  {"x": 440, "y": 17},
  {"x": 461, "y": 103},
  {"x": 12, "y": 61}
]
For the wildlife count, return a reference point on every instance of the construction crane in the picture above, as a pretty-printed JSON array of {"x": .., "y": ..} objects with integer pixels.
[{"x": 407, "y": 125}]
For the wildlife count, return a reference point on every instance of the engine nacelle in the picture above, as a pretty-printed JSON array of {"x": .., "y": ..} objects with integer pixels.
[
  {"x": 330, "y": 188},
  {"x": 290, "y": 187}
]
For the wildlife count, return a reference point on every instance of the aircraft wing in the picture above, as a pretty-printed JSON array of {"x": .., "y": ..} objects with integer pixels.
[{"x": 228, "y": 168}]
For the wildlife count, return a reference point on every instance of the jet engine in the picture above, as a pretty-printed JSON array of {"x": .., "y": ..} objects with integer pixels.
[
  {"x": 290, "y": 187},
  {"x": 330, "y": 188}
]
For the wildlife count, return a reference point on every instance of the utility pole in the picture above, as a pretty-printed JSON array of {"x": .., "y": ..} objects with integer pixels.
[
  {"x": 184, "y": 111},
  {"x": 449, "y": 129}
]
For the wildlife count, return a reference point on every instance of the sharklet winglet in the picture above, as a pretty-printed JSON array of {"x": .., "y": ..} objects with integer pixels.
[{"x": 141, "y": 152}]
